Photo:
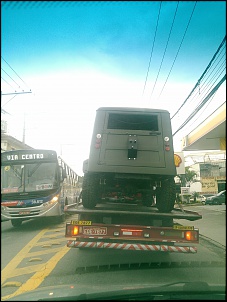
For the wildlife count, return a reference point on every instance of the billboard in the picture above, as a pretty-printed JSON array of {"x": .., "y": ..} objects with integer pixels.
[
  {"x": 185, "y": 190},
  {"x": 209, "y": 185}
]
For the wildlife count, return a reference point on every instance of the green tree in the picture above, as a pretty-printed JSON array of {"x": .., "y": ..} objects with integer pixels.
[
  {"x": 195, "y": 195},
  {"x": 188, "y": 177}
]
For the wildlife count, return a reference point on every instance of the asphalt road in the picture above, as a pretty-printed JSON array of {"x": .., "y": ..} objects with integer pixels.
[
  {"x": 35, "y": 255},
  {"x": 213, "y": 222}
]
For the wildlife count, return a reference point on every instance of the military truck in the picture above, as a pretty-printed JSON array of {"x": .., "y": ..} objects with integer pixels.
[{"x": 131, "y": 159}]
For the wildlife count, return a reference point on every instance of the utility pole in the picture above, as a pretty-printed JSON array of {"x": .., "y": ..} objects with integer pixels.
[
  {"x": 15, "y": 94},
  {"x": 24, "y": 130}
]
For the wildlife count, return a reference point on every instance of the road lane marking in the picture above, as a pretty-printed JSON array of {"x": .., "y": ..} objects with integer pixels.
[
  {"x": 53, "y": 236},
  {"x": 44, "y": 252},
  {"x": 7, "y": 272},
  {"x": 41, "y": 243},
  {"x": 38, "y": 277},
  {"x": 26, "y": 270},
  {"x": 35, "y": 259},
  {"x": 12, "y": 284}
]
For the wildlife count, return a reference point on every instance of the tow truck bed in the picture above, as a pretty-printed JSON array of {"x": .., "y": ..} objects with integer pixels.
[
  {"x": 130, "y": 227},
  {"x": 132, "y": 210}
]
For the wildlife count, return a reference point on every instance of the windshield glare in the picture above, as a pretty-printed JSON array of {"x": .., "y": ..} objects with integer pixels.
[
  {"x": 28, "y": 177},
  {"x": 113, "y": 147}
]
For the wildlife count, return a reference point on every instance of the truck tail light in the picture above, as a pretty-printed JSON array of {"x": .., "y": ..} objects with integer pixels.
[
  {"x": 131, "y": 232},
  {"x": 98, "y": 141},
  {"x": 75, "y": 230},
  {"x": 72, "y": 230},
  {"x": 191, "y": 235}
]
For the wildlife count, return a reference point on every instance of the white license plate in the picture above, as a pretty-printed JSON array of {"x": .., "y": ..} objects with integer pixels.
[{"x": 94, "y": 231}]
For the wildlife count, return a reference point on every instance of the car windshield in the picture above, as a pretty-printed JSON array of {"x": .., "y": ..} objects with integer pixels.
[
  {"x": 221, "y": 193},
  {"x": 28, "y": 177},
  {"x": 113, "y": 150}
]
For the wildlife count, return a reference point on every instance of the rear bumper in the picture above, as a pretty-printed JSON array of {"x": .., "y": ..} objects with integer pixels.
[{"x": 131, "y": 246}]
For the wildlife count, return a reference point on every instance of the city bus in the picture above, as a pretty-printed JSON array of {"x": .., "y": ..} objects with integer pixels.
[{"x": 36, "y": 183}]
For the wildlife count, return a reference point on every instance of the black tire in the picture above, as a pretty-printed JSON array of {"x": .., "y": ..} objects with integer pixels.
[
  {"x": 166, "y": 196},
  {"x": 16, "y": 222},
  {"x": 90, "y": 192}
]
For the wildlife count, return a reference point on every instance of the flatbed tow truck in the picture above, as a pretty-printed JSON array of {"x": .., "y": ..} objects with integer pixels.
[{"x": 131, "y": 227}]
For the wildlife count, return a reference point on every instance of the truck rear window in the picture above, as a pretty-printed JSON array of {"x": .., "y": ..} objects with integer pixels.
[{"x": 133, "y": 122}]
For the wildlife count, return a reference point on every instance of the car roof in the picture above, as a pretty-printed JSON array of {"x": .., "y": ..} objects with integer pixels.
[
  {"x": 132, "y": 109},
  {"x": 222, "y": 192}
]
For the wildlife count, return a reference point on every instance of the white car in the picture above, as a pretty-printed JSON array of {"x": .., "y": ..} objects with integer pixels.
[{"x": 200, "y": 198}]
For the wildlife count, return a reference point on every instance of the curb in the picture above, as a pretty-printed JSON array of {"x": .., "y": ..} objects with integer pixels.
[{"x": 191, "y": 204}]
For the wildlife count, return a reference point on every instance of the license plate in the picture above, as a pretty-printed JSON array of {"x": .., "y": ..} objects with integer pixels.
[
  {"x": 24, "y": 212},
  {"x": 81, "y": 222},
  {"x": 181, "y": 227},
  {"x": 94, "y": 231}
]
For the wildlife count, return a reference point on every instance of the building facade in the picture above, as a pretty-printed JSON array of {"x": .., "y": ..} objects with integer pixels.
[
  {"x": 9, "y": 143},
  {"x": 211, "y": 177}
]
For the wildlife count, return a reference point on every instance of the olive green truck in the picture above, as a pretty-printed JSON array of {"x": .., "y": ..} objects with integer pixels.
[{"x": 131, "y": 159}]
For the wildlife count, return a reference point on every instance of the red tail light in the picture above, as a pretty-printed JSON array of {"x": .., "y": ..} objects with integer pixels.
[{"x": 98, "y": 141}]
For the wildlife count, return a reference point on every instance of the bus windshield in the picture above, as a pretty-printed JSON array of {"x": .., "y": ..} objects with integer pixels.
[{"x": 29, "y": 177}]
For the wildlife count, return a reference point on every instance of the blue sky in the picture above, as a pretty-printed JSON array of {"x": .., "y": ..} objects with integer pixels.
[{"x": 78, "y": 56}]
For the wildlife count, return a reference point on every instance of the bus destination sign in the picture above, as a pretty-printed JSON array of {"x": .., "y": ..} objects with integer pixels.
[{"x": 23, "y": 156}]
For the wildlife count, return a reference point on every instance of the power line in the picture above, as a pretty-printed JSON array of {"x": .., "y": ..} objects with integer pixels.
[
  {"x": 205, "y": 87},
  {"x": 209, "y": 78},
  {"x": 3, "y": 111},
  {"x": 200, "y": 86},
  {"x": 222, "y": 64},
  {"x": 9, "y": 100},
  {"x": 178, "y": 49},
  {"x": 15, "y": 72},
  {"x": 189, "y": 126},
  {"x": 7, "y": 82},
  {"x": 165, "y": 48},
  {"x": 15, "y": 94},
  {"x": 201, "y": 105},
  {"x": 152, "y": 47},
  {"x": 207, "y": 97},
  {"x": 198, "y": 82},
  {"x": 220, "y": 72},
  {"x": 11, "y": 78}
]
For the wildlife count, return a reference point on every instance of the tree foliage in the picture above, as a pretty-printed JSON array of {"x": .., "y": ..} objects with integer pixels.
[{"x": 189, "y": 176}]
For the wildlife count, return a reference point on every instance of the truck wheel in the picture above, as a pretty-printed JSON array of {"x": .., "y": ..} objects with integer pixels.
[
  {"x": 90, "y": 192},
  {"x": 166, "y": 196},
  {"x": 16, "y": 222}
]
